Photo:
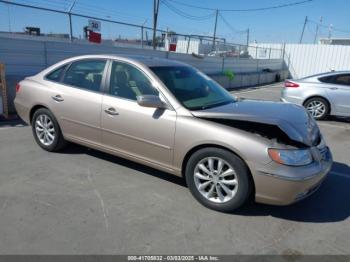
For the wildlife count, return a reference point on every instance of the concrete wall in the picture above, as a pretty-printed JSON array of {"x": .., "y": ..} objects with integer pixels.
[
  {"x": 308, "y": 59},
  {"x": 24, "y": 57},
  {"x": 242, "y": 80}
]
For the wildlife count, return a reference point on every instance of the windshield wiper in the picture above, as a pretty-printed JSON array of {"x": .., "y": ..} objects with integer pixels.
[{"x": 219, "y": 103}]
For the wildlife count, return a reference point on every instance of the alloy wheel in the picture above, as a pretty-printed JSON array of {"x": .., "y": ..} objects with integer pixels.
[
  {"x": 45, "y": 130},
  {"x": 316, "y": 108},
  {"x": 215, "y": 179}
]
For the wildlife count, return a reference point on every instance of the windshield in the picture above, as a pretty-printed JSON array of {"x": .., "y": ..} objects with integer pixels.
[{"x": 193, "y": 89}]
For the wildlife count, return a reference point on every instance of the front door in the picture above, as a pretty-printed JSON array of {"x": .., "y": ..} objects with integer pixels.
[
  {"x": 140, "y": 132},
  {"x": 339, "y": 93}
]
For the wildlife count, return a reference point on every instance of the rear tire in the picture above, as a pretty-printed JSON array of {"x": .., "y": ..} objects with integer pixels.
[
  {"x": 318, "y": 107},
  {"x": 211, "y": 182},
  {"x": 46, "y": 131}
]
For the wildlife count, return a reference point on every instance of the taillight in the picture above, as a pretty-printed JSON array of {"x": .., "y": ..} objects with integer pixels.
[
  {"x": 17, "y": 88},
  {"x": 290, "y": 84}
]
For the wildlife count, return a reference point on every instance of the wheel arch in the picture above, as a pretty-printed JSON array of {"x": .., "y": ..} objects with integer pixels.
[
  {"x": 33, "y": 109},
  {"x": 201, "y": 146}
]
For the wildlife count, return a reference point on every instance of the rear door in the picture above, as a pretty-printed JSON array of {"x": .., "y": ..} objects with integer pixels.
[
  {"x": 339, "y": 93},
  {"x": 76, "y": 99}
]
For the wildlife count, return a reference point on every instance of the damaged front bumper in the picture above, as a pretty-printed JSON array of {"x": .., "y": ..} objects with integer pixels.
[{"x": 283, "y": 185}]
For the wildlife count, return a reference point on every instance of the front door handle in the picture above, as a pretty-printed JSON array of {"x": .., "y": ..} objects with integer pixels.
[
  {"x": 111, "y": 111},
  {"x": 333, "y": 88},
  {"x": 58, "y": 98}
]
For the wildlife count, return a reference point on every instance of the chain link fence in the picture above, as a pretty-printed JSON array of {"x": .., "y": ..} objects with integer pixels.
[{"x": 115, "y": 33}]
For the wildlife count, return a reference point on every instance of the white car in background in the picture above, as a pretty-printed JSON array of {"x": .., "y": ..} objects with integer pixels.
[{"x": 322, "y": 95}]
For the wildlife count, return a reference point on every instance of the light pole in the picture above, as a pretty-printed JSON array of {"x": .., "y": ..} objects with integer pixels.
[
  {"x": 109, "y": 27},
  {"x": 216, "y": 22},
  {"x": 142, "y": 32},
  {"x": 317, "y": 28},
  {"x": 330, "y": 28},
  {"x": 9, "y": 17},
  {"x": 302, "y": 32},
  {"x": 70, "y": 21},
  {"x": 155, "y": 19}
]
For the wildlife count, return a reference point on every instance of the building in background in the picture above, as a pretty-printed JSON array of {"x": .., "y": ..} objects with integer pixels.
[{"x": 334, "y": 41}]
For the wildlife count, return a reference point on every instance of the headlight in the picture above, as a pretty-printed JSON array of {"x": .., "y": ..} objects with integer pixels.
[{"x": 298, "y": 157}]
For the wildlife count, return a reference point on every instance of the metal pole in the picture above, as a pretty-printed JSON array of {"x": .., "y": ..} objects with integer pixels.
[
  {"x": 9, "y": 17},
  {"x": 70, "y": 27},
  {"x": 247, "y": 37},
  {"x": 283, "y": 57},
  {"x": 188, "y": 44},
  {"x": 302, "y": 32},
  {"x": 330, "y": 28},
  {"x": 155, "y": 18},
  {"x": 317, "y": 28},
  {"x": 45, "y": 54},
  {"x": 142, "y": 36},
  {"x": 216, "y": 22},
  {"x": 70, "y": 21},
  {"x": 166, "y": 40},
  {"x": 142, "y": 26}
]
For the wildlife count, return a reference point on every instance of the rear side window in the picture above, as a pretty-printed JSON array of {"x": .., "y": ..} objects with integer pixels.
[
  {"x": 56, "y": 74},
  {"x": 327, "y": 79},
  {"x": 86, "y": 74},
  {"x": 341, "y": 79}
]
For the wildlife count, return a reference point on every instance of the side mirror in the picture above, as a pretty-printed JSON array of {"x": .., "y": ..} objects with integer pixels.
[{"x": 151, "y": 101}]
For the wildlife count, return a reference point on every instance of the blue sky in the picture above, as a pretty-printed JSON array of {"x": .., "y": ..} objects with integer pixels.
[{"x": 275, "y": 25}]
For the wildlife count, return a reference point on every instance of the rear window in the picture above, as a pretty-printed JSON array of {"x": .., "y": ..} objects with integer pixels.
[
  {"x": 326, "y": 79},
  {"x": 56, "y": 74}
]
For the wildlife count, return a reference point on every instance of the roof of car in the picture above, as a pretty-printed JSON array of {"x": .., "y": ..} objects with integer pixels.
[
  {"x": 326, "y": 74},
  {"x": 149, "y": 61},
  {"x": 155, "y": 61}
]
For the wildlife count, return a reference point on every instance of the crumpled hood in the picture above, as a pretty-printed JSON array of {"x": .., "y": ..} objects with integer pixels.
[{"x": 292, "y": 119}]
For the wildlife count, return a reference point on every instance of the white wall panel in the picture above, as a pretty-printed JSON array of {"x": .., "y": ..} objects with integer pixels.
[{"x": 309, "y": 59}]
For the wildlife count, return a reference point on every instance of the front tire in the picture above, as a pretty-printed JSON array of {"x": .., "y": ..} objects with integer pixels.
[
  {"x": 218, "y": 179},
  {"x": 46, "y": 131},
  {"x": 317, "y": 107}
]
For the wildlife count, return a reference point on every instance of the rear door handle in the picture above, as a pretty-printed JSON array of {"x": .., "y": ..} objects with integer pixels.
[
  {"x": 333, "y": 88},
  {"x": 111, "y": 111},
  {"x": 58, "y": 98}
]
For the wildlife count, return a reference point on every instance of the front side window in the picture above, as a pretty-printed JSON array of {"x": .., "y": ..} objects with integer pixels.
[
  {"x": 193, "y": 89},
  {"x": 129, "y": 82},
  {"x": 85, "y": 74},
  {"x": 343, "y": 79}
]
